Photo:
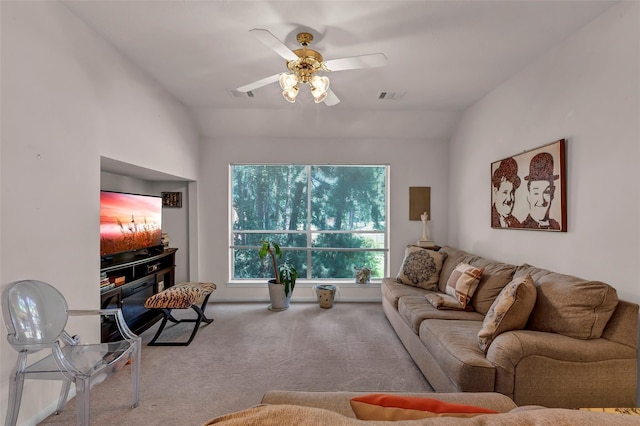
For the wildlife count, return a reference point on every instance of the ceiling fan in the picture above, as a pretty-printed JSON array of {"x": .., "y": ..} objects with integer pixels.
[{"x": 304, "y": 66}]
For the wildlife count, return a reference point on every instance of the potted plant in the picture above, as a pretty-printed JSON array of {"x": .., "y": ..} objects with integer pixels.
[{"x": 280, "y": 288}]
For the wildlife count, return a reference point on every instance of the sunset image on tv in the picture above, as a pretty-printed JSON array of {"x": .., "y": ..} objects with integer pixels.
[{"x": 129, "y": 222}]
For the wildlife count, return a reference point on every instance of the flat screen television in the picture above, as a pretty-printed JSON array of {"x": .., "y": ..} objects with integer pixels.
[{"x": 129, "y": 222}]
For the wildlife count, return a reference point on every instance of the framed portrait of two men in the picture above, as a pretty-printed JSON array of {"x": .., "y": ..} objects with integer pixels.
[{"x": 528, "y": 190}]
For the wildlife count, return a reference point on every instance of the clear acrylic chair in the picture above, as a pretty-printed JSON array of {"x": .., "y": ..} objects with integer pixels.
[{"x": 35, "y": 315}]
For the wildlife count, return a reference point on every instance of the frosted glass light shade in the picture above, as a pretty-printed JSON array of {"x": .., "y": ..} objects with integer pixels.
[
  {"x": 320, "y": 83},
  {"x": 288, "y": 81},
  {"x": 291, "y": 94},
  {"x": 318, "y": 96}
]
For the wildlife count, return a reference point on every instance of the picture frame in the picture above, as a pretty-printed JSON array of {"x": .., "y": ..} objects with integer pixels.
[
  {"x": 172, "y": 199},
  {"x": 528, "y": 190},
  {"x": 419, "y": 201}
]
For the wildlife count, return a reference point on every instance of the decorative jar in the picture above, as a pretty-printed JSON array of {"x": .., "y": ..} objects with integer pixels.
[{"x": 362, "y": 275}]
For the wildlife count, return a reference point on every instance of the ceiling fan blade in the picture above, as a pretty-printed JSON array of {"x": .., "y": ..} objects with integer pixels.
[
  {"x": 354, "y": 62},
  {"x": 271, "y": 41},
  {"x": 258, "y": 84},
  {"x": 331, "y": 98}
]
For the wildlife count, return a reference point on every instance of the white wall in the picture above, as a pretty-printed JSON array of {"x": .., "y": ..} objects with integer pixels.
[
  {"x": 68, "y": 98},
  {"x": 585, "y": 90},
  {"x": 412, "y": 163}
]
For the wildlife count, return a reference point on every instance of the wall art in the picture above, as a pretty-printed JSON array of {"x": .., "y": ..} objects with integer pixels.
[
  {"x": 172, "y": 199},
  {"x": 528, "y": 190}
]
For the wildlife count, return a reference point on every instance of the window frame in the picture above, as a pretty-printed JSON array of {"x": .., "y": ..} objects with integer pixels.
[{"x": 308, "y": 230}]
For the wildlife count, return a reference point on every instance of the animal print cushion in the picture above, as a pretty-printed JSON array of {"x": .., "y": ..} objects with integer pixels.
[{"x": 180, "y": 296}]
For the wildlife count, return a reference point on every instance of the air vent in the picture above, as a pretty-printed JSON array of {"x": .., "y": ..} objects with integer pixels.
[
  {"x": 237, "y": 94},
  {"x": 392, "y": 96}
]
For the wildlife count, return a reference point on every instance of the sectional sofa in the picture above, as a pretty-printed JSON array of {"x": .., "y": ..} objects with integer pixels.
[{"x": 569, "y": 342}]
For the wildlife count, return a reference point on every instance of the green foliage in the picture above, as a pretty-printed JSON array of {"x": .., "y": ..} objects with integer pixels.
[{"x": 288, "y": 276}]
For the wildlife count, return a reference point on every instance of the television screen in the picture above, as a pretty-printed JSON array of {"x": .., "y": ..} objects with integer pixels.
[{"x": 129, "y": 222}]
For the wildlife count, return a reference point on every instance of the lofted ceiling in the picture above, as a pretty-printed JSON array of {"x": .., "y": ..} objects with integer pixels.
[{"x": 443, "y": 56}]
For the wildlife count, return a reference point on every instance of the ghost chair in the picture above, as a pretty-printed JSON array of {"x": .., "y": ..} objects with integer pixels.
[{"x": 35, "y": 315}]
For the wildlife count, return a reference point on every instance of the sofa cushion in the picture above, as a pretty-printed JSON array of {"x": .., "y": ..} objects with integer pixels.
[
  {"x": 454, "y": 346},
  {"x": 495, "y": 276},
  {"x": 415, "y": 309},
  {"x": 453, "y": 257},
  {"x": 421, "y": 268},
  {"x": 462, "y": 283},
  {"x": 569, "y": 305},
  {"x": 510, "y": 310},
  {"x": 392, "y": 290},
  {"x": 392, "y": 407}
]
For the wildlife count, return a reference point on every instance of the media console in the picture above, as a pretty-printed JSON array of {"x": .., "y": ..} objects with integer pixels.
[{"x": 137, "y": 278}]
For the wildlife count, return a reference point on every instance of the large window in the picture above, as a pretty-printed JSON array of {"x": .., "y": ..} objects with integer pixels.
[{"x": 327, "y": 219}]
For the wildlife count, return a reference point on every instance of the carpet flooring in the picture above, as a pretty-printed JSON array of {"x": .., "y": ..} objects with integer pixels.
[{"x": 249, "y": 350}]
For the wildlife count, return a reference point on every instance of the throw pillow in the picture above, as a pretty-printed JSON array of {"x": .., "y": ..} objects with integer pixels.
[
  {"x": 399, "y": 407},
  {"x": 463, "y": 282},
  {"x": 421, "y": 268},
  {"x": 510, "y": 310},
  {"x": 444, "y": 301}
]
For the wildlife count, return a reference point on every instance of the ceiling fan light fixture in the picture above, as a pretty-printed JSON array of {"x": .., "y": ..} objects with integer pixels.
[
  {"x": 288, "y": 81},
  {"x": 319, "y": 87},
  {"x": 318, "y": 96},
  {"x": 320, "y": 83},
  {"x": 291, "y": 94}
]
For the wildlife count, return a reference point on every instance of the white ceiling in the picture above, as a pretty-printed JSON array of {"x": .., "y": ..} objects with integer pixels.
[{"x": 445, "y": 55}]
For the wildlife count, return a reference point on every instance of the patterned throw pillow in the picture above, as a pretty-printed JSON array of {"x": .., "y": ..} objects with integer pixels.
[
  {"x": 510, "y": 310},
  {"x": 463, "y": 282},
  {"x": 420, "y": 268}
]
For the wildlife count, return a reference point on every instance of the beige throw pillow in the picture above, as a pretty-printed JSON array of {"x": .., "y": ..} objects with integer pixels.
[
  {"x": 510, "y": 310},
  {"x": 463, "y": 282},
  {"x": 421, "y": 268}
]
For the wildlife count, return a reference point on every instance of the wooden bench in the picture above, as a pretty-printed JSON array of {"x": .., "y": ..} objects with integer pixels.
[{"x": 186, "y": 295}]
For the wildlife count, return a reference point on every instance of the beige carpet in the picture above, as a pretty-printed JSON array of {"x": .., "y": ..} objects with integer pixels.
[{"x": 248, "y": 350}]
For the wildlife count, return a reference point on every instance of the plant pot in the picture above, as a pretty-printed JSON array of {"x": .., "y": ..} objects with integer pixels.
[
  {"x": 325, "y": 294},
  {"x": 279, "y": 302}
]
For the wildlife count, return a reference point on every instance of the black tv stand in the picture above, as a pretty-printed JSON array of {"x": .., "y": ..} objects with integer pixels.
[{"x": 135, "y": 278}]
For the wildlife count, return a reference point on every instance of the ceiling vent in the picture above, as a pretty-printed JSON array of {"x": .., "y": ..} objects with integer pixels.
[
  {"x": 392, "y": 96},
  {"x": 237, "y": 94}
]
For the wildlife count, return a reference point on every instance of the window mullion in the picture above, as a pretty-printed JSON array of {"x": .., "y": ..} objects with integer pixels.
[{"x": 309, "y": 222}]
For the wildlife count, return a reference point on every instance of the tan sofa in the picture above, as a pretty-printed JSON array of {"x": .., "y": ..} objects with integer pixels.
[{"x": 578, "y": 349}]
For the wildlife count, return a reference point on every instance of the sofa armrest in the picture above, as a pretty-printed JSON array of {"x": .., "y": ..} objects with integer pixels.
[
  {"x": 509, "y": 348},
  {"x": 534, "y": 367},
  {"x": 623, "y": 325}
]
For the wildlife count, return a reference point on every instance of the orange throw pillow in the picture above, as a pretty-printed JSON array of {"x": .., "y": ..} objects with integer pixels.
[{"x": 398, "y": 407}]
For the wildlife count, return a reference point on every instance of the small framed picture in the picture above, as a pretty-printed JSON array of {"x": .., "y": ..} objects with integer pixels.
[{"x": 172, "y": 199}]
